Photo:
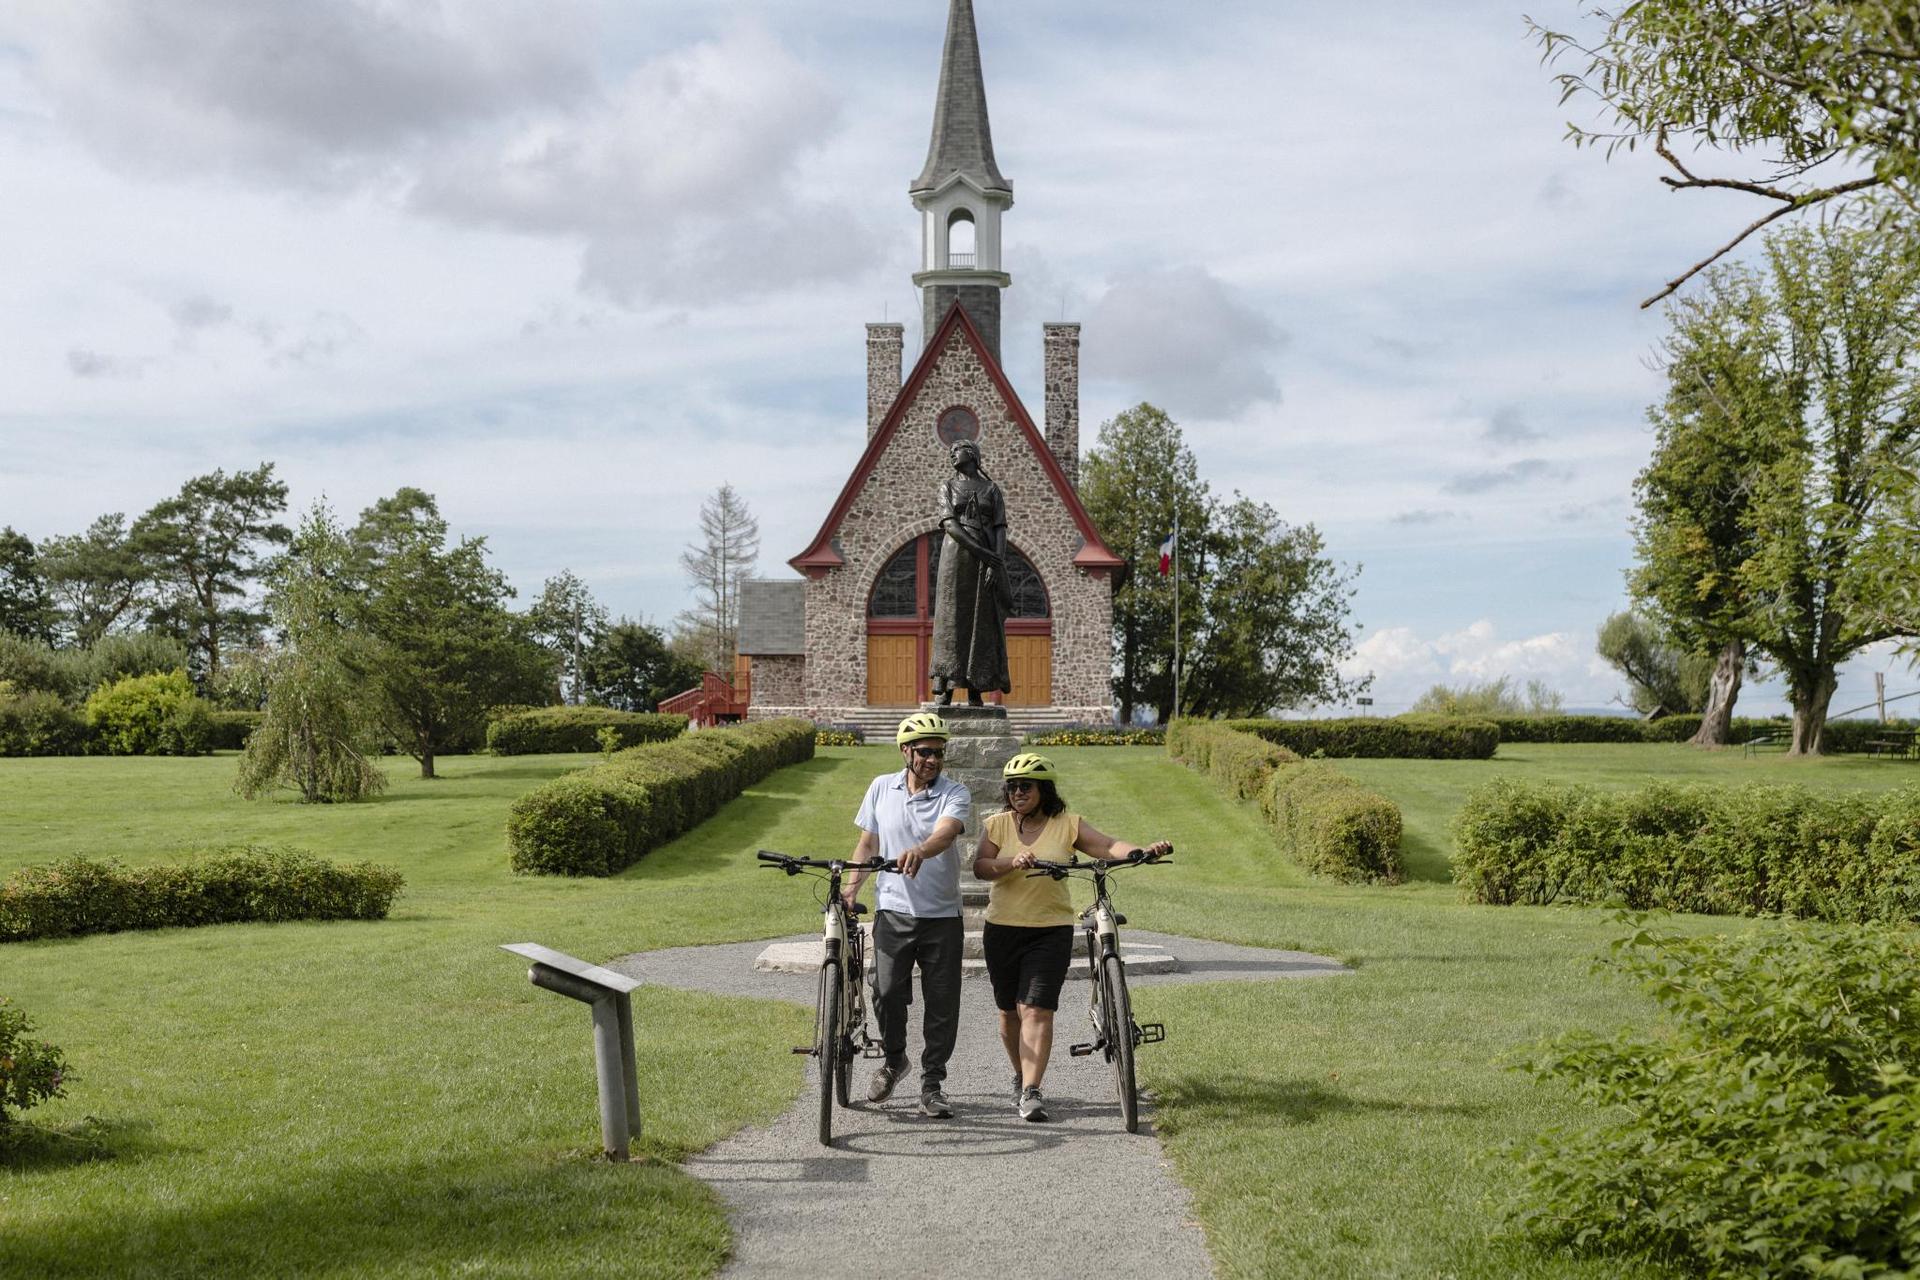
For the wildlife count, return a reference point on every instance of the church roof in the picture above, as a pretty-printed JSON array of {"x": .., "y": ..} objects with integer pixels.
[
  {"x": 820, "y": 554},
  {"x": 773, "y": 617},
  {"x": 962, "y": 140}
]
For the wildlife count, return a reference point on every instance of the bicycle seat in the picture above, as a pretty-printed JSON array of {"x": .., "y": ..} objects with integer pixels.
[{"x": 858, "y": 908}]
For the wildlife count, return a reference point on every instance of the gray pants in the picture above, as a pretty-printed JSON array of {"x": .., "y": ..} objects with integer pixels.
[{"x": 934, "y": 943}]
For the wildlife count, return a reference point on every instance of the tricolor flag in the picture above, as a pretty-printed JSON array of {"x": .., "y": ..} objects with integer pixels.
[{"x": 1166, "y": 556}]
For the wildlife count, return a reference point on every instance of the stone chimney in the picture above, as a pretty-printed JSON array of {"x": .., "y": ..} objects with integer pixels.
[
  {"x": 1062, "y": 372},
  {"x": 885, "y": 345}
]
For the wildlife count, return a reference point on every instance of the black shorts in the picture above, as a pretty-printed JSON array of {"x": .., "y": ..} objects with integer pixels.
[{"x": 1027, "y": 965}]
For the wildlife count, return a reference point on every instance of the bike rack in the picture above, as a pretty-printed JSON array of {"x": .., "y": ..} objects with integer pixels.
[{"x": 609, "y": 994}]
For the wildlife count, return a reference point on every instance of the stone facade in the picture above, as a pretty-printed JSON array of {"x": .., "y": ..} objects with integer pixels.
[
  {"x": 898, "y": 502},
  {"x": 779, "y": 680},
  {"x": 886, "y": 344},
  {"x": 982, "y": 304},
  {"x": 1062, "y": 375}
]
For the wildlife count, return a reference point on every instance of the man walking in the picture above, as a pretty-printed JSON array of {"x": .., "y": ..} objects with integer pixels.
[{"x": 914, "y": 816}]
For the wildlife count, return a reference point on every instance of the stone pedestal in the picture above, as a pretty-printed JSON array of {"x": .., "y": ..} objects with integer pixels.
[{"x": 981, "y": 745}]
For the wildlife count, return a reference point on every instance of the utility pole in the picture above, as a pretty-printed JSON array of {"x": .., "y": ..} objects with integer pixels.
[{"x": 1176, "y": 604}]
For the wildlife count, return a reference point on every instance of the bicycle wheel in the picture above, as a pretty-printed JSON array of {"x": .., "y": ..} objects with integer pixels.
[
  {"x": 1119, "y": 1033},
  {"x": 827, "y": 1043}
]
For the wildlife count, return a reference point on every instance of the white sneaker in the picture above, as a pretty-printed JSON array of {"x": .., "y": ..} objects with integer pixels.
[{"x": 1031, "y": 1105}]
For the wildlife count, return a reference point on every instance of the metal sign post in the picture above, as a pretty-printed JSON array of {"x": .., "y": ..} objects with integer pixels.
[{"x": 609, "y": 995}]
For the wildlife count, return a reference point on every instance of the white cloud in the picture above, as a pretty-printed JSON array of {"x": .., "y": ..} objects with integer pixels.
[
  {"x": 1186, "y": 340},
  {"x": 1405, "y": 663}
]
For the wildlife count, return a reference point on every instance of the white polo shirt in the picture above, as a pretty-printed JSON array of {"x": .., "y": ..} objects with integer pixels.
[{"x": 901, "y": 820}]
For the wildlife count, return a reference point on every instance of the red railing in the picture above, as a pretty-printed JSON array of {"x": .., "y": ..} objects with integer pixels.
[{"x": 716, "y": 701}]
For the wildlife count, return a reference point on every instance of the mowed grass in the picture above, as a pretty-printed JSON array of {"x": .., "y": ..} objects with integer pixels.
[{"x": 392, "y": 1098}]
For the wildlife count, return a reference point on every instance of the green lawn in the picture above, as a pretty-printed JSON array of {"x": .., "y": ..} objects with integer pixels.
[{"x": 393, "y": 1098}]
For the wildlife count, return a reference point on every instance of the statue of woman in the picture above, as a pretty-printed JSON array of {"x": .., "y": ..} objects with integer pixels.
[{"x": 971, "y": 597}]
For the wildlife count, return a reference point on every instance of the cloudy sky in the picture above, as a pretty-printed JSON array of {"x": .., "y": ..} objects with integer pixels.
[{"x": 568, "y": 264}]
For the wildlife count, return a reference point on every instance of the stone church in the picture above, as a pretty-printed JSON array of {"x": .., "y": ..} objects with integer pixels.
[{"x": 850, "y": 641}]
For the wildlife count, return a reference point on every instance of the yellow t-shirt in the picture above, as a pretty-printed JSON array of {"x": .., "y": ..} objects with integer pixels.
[{"x": 1032, "y": 902}]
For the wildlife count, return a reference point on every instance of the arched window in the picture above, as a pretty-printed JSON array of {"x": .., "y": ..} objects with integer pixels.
[
  {"x": 904, "y": 590},
  {"x": 960, "y": 239}
]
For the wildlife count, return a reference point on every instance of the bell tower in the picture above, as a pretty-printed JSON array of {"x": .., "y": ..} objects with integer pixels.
[{"x": 960, "y": 194}]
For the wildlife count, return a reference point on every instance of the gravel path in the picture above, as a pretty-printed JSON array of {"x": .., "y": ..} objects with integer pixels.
[{"x": 1020, "y": 1200}]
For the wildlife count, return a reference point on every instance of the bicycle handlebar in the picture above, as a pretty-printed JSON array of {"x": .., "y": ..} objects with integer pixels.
[
  {"x": 1060, "y": 870},
  {"x": 793, "y": 866}
]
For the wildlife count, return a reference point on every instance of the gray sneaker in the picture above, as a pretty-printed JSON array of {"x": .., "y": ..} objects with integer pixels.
[
  {"x": 880, "y": 1088},
  {"x": 934, "y": 1103},
  {"x": 1031, "y": 1107}
]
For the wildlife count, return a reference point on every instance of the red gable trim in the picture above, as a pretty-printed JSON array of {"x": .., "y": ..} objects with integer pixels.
[{"x": 1094, "y": 554}]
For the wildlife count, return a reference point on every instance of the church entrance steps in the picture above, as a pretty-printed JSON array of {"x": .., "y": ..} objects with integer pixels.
[{"x": 878, "y": 723}]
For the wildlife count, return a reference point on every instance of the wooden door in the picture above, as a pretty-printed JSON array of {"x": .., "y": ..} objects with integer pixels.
[
  {"x": 893, "y": 675},
  {"x": 1030, "y": 663}
]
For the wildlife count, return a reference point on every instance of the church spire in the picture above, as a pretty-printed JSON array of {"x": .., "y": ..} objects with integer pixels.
[
  {"x": 961, "y": 195},
  {"x": 962, "y": 139}
]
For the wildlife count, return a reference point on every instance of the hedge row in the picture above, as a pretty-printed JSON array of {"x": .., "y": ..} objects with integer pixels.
[
  {"x": 1841, "y": 736},
  {"x": 547, "y": 730},
  {"x": 600, "y": 820},
  {"x": 1325, "y": 820},
  {"x": 231, "y": 729},
  {"x": 1097, "y": 735},
  {"x": 81, "y": 896},
  {"x": 148, "y": 715},
  {"x": 1412, "y": 737},
  {"x": 1752, "y": 850}
]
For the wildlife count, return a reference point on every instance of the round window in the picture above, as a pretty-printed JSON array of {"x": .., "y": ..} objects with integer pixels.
[{"x": 957, "y": 423}]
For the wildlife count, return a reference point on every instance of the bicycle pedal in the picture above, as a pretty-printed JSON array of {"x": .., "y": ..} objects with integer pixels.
[
  {"x": 874, "y": 1051},
  {"x": 1082, "y": 1050},
  {"x": 1152, "y": 1032}
]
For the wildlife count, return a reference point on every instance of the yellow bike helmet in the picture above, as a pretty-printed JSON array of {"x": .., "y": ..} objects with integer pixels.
[
  {"x": 1029, "y": 765},
  {"x": 921, "y": 724}
]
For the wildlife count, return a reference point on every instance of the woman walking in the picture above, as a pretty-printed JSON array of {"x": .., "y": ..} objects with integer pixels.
[{"x": 1028, "y": 936}]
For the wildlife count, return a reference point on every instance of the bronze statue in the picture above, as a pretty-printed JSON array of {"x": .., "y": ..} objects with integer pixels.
[{"x": 971, "y": 596}]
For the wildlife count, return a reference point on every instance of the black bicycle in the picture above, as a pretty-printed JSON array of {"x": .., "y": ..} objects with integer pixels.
[
  {"x": 1115, "y": 1034},
  {"x": 840, "y": 1011}
]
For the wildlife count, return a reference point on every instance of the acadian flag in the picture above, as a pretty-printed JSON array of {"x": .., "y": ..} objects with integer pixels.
[{"x": 1166, "y": 556}]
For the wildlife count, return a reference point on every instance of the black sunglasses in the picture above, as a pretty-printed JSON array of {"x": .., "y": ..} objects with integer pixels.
[
  {"x": 929, "y": 753},
  {"x": 1021, "y": 784}
]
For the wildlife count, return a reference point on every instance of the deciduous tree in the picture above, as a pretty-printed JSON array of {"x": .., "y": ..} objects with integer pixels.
[
  {"x": 631, "y": 668},
  {"x": 568, "y": 620},
  {"x": 26, "y": 608},
  {"x": 1663, "y": 679},
  {"x": 716, "y": 565},
  {"x": 1816, "y": 99}
]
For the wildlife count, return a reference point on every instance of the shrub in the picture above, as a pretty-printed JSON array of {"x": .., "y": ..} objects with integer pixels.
[
  {"x": 33, "y": 666},
  {"x": 31, "y": 1071},
  {"x": 600, "y": 820},
  {"x": 833, "y": 735},
  {"x": 40, "y": 724},
  {"x": 1755, "y": 850},
  {"x": 1411, "y": 737},
  {"x": 1771, "y": 1131},
  {"x": 1325, "y": 820},
  {"x": 115, "y": 657},
  {"x": 151, "y": 715},
  {"x": 546, "y": 730},
  {"x": 231, "y": 729},
  {"x": 1097, "y": 735},
  {"x": 226, "y": 886},
  {"x": 1332, "y": 825}
]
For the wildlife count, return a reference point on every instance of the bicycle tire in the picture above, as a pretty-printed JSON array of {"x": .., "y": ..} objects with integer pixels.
[
  {"x": 827, "y": 1043},
  {"x": 843, "y": 1060},
  {"x": 1113, "y": 978}
]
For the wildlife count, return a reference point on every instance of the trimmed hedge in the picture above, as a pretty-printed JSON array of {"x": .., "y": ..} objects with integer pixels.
[
  {"x": 1335, "y": 826},
  {"x": 231, "y": 729},
  {"x": 549, "y": 730},
  {"x": 1752, "y": 850},
  {"x": 252, "y": 883},
  {"x": 1097, "y": 735},
  {"x": 601, "y": 820},
  {"x": 1412, "y": 737},
  {"x": 39, "y": 723},
  {"x": 1325, "y": 820}
]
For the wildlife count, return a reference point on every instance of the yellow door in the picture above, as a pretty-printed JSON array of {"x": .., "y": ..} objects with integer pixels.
[
  {"x": 893, "y": 679},
  {"x": 1030, "y": 663}
]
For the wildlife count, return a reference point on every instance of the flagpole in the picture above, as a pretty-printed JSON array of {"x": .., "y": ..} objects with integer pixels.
[{"x": 1176, "y": 606}]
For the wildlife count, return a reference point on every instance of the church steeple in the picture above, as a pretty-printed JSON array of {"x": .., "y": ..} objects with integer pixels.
[{"x": 960, "y": 193}]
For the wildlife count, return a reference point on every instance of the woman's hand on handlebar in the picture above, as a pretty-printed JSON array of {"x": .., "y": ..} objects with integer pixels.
[{"x": 1153, "y": 852}]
